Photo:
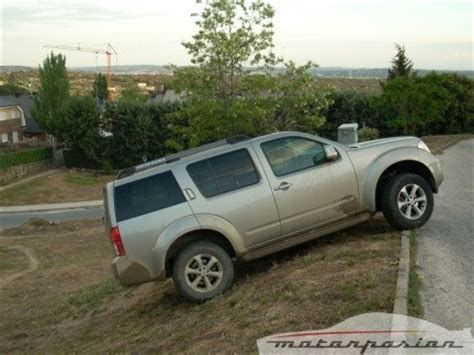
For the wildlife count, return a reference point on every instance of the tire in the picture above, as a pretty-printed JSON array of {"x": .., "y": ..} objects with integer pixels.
[
  {"x": 407, "y": 201},
  {"x": 195, "y": 278}
]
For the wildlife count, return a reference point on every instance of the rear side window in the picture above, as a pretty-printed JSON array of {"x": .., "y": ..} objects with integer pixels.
[
  {"x": 147, "y": 195},
  {"x": 224, "y": 173}
]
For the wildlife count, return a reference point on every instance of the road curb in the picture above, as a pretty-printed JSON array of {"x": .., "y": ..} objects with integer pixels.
[
  {"x": 401, "y": 294},
  {"x": 52, "y": 207}
]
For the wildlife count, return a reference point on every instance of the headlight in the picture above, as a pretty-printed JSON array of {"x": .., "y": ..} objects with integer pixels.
[{"x": 422, "y": 145}]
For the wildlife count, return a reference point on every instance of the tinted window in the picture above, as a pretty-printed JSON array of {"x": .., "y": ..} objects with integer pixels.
[
  {"x": 147, "y": 195},
  {"x": 287, "y": 155},
  {"x": 224, "y": 173}
]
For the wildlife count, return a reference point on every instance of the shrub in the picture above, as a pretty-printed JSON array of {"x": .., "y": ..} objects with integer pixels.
[
  {"x": 368, "y": 134},
  {"x": 348, "y": 106},
  {"x": 25, "y": 157}
]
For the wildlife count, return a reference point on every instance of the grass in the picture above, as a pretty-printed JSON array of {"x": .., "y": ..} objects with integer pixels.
[
  {"x": 71, "y": 302},
  {"x": 81, "y": 180},
  {"x": 415, "y": 308},
  {"x": 11, "y": 260},
  {"x": 61, "y": 186},
  {"x": 91, "y": 297}
]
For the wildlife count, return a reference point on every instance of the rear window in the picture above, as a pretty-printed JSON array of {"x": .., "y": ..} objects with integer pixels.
[
  {"x": 224, "y": 173},
  {"x": 147, "y": 195}
]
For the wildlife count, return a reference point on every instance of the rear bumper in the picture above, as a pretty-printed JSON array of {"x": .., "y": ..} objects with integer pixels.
[{"x": 131, "y": 272}]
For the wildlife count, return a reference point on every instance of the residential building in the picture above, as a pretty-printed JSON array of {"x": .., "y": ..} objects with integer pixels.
[
  {"x": 31, "y": 129},
  {"x": 168, "y": 96},
  {"x": 12, "y": 121}
]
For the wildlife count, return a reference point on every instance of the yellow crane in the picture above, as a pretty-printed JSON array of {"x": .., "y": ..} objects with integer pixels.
[{"x": 106, "y": 49}]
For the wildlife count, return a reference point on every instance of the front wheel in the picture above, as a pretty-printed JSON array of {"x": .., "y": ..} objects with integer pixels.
[
  {"x": 407, "y": 201},
  {"x": 202, "y": 271}
]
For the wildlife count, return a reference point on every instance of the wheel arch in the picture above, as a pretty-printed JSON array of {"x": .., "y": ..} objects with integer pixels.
[
  {"x": 401, "y": 167},
  {"x": 399, "y": 160},
  {"x": 202, "y": 235}
]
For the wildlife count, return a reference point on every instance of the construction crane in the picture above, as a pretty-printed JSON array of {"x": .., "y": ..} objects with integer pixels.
[{"x": 106, "y": 49}]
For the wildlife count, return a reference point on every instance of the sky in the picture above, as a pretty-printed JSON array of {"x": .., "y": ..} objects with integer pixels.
[{"x": 357, "y": 34}]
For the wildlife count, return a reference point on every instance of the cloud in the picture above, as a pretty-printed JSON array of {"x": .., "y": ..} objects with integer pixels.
[{"x": 55, "y": 12}]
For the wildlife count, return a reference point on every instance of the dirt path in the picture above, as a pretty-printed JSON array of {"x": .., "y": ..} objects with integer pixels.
[
  {"x": 33, "y": 265},
  {"x": 28, "y": 179}
]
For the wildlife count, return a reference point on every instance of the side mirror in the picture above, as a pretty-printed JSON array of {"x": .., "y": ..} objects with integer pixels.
[{"x": 331, "y": 153}]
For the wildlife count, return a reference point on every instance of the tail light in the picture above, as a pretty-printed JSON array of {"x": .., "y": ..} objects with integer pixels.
[{"x": 117, "y": 241}]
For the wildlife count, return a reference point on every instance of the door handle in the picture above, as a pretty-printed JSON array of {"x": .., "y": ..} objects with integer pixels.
[{"x": 283, "y": 186}]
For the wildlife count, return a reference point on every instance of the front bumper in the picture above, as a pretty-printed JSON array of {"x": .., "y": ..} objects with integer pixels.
[{"x": 437, "y": 172}]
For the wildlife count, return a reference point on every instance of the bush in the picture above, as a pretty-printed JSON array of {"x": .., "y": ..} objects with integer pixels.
[
  {"x": 74, "y": 158},
  {"x": 367, "y": 134},
  {"x": 348, "y": 106},
  {"x": 25, "y": 157}
]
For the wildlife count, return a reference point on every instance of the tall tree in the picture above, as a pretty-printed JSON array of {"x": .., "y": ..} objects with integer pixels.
[
  {"x": 401, "y": 64},
  {"x": 232, "y": 34},
  {"x": 53, "y": 93},
  {"x": 100, "y": 87},
  {"x": 223, "y": 97}
]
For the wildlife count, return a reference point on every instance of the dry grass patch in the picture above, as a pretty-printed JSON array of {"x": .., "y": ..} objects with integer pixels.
[
  {"x": 61, "y": 186},
  {"x": 71, "y": 303},
  {"x": 438, "y": 144},
  {"x": 11, "y": 260}
]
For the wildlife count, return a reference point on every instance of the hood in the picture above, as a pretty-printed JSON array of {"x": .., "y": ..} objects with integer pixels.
[{"x": 395, "y": 141}]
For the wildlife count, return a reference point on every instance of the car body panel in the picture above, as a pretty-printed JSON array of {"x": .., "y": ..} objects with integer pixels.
[
  {"x": 250, "y": 210},
  {"x": 304, "y": 204}
]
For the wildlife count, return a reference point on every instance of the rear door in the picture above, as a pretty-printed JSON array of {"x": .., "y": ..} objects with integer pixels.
[
  {"x": 231, "y": 185},
  {"x": 309, "y": 190}
]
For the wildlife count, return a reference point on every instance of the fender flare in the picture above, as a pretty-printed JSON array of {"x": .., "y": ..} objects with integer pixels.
[
  {"x": 189, "y": 224},
  {"x": 379, "y": 165}
]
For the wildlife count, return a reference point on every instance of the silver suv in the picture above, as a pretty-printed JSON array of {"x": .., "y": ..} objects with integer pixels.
[{"x": 190, "y": 214}]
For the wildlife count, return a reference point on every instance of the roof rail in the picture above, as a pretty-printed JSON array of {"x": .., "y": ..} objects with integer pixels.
[{"x": 177, "y": 156}]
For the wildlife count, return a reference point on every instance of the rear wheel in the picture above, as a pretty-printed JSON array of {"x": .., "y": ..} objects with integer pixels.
[
  {"x": 202, "y": 271},
  {"x": 407, "y": 201}
]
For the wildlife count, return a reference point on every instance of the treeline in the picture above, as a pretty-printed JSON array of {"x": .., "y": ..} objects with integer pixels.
[
  {"x": 429, "y": 105},
  {"x": 433, "y": 104}
]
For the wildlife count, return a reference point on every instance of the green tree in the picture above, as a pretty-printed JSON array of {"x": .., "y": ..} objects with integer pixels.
[
  {"x": 401, "y": 64},
  {"x": 131, "y": 125},
  {"x": 132, "y": 94},
  {"x": 348, "y": 107},
  {"x": 232, "y": 33},
  {"x": 414, "y": 105},
  {"x": 80, "y": 122},
  {"x": 100, "y": 87},
  {"x": 459, "y": 117},
  {"x": 223, "y": 96},
  {"x": 53, "y": 94}
]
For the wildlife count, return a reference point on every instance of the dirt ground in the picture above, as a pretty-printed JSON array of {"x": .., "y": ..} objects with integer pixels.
[
  {"x": 70, "y": 303},
  {"x": 60, "y": 186},
  {"x": 439, "y": 143}
]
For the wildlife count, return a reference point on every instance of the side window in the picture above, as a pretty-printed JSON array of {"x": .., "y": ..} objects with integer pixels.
[
  {"x": 291, "y": 154},
  {"x": 147, "y": 195},
  {"x": 224, "y": 173}
]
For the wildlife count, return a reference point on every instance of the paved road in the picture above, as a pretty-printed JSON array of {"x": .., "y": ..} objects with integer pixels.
[
  {"x": 446, "y": 244},
  {"x": 8, "y": 220}
]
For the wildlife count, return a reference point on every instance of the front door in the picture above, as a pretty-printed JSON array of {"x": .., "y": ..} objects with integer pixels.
[{"x": 309, "y": 190}]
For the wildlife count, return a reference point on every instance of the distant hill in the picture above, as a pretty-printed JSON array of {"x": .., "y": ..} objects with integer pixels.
[
  {"x": 323, "y": 72},
  {"x": 13, "y": 68},
  {"x": 128, "y": 69}
]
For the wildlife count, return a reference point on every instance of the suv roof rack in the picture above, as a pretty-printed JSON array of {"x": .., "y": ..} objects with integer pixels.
[{"x": 177, "y": 156}]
